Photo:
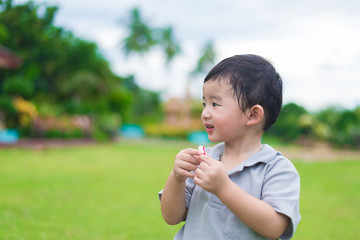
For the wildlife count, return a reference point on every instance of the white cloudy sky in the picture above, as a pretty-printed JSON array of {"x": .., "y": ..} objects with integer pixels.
[{"x": 313, "y": 44}]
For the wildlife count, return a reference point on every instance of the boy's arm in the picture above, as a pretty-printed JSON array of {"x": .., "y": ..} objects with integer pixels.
[
  {"x": 173, "y": 202},
  {"x": 255, "y": 213}
]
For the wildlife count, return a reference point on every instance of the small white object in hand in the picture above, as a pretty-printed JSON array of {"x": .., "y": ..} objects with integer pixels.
[{"x": 202, "y": 149}]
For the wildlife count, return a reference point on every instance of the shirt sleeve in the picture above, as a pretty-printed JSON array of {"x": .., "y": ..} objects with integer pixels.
[
  {"x": 190, "y": 185},
  {"x": 282, "y": 191}
]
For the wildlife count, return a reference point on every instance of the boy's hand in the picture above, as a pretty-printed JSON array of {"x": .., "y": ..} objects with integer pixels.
[
  {"x": 186, "y": 161},
  {"x": 211, "y": 174}
]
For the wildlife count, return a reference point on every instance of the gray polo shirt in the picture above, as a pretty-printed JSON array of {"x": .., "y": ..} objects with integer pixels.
[{"x": 266, "y": 175}]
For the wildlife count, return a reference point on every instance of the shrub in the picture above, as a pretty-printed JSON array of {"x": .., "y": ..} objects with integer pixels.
[
  {"x": 106, "y": 126},
  {"x": 168, "y": 131},
  {"x": 18, "y": 85},
  {"x": 63, "y": 127}
]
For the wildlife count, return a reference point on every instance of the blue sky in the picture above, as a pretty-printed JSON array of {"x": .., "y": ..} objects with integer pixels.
[{"x": 313, "y": 44}]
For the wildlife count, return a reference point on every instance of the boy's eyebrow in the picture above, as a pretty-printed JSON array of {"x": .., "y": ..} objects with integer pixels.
[{"x": 215, "y": 97}]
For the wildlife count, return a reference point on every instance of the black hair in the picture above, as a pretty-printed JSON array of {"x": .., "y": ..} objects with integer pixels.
[{"x": 254, "y": 80}]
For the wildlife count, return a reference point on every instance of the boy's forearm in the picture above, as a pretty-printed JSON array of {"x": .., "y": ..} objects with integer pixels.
[
  {"x": 255, "y": 213},
  {"x": 173, "y": 203}
]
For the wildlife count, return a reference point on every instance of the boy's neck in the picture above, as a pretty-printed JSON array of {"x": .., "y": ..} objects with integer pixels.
[{"x": 236, "y": 152}]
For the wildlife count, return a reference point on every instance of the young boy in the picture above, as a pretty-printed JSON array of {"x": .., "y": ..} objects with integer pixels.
[{"x": 241, "y": 188}]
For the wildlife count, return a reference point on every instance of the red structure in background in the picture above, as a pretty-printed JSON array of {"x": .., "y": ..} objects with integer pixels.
[{"x": 8, "y": 60}]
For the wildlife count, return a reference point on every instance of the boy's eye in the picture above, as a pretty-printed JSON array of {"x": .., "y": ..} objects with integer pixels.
[
  {"x": 215, "y": 104},
  {"x": 203, "y": 104}
]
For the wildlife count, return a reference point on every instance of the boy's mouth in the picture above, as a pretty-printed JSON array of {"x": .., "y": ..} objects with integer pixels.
[{"x": 209, "y": 128}]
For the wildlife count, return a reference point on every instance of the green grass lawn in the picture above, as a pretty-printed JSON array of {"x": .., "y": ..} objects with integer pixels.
[
  {"x": 330, "y": 198},
  {"x": 109, "y": 191}
]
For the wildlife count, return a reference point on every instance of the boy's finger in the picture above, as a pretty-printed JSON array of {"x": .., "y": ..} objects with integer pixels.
[
  {"x": 191, "y": 151},
  {"x": 206, "y": 159},
  {"x": 199, "y": 173},
  {"x": 204, "y": 166},
  {"x": 185, "y": 173}
]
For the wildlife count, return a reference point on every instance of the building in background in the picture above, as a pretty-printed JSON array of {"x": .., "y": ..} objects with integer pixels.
[{"x": 8, "y": 60}]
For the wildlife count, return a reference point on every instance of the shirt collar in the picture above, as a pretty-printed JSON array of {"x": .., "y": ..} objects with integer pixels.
[{"x": 265, "y": 155}]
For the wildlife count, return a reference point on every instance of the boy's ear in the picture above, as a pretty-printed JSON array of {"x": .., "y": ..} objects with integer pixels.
[{"x": 255, "y": 115}]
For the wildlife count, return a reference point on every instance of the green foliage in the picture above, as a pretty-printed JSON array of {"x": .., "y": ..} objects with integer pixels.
[
  {"x": 166, "y": 131},
  {"x": 167, "y": 42},
  {"x": 335, "y": 125},
  {"x": 64, "y": 134},
  {"x": 106, "y": 126},
  {"x": 288, "y": 124},
  {"x": 206, "y": 60},
  {"x": 64, "y": 73},
  {"x": 18, "y": 112},
  {"x": 142, "y": 37},
  {"x": 120, "y": 98},
  {"x": 6, "y": 105},
  {"x": 51, "y": 56},
  {"x": 344, "y": 125},
  {"x": 8, "y": 111},
  {"x": 147, "y": 104},
  {"x": 17, "y": 85}
]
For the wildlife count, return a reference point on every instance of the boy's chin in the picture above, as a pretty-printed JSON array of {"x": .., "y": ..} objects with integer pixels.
[{"x": 214, "y": 139}]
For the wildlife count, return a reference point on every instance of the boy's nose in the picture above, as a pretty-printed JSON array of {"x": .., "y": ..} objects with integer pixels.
[{"x": 205, "y": 114}]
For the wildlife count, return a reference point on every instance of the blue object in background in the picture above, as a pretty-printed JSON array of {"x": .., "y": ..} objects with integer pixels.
[
  {"x": 9, "y": 136},
  {"x": 199, "y": 138},
  {"x": 131, "y": 131}
]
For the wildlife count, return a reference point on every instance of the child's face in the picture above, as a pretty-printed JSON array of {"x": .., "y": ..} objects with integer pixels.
[{"x": 222, "y": 118}]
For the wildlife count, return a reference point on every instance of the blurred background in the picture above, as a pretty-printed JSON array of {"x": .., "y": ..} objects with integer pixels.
[
  {"x": 124, "y": 80},
  {"x": 80, "y": 69}
]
